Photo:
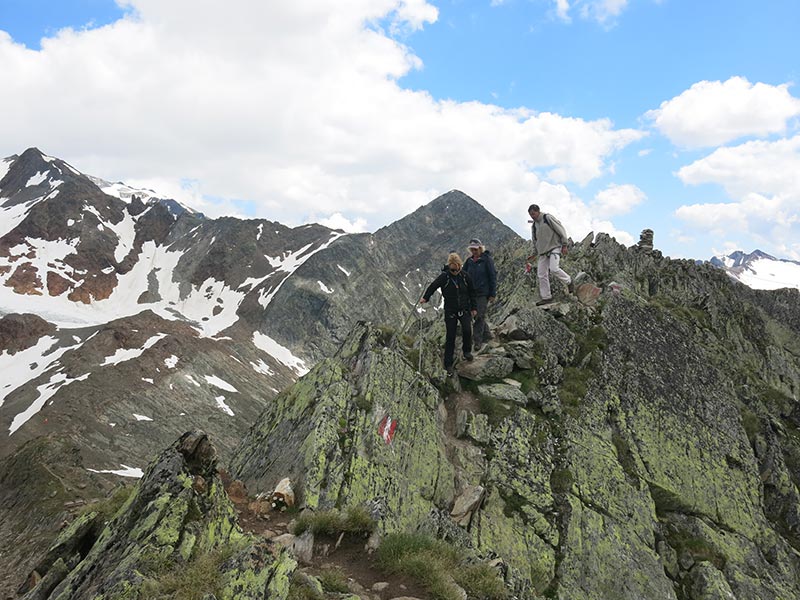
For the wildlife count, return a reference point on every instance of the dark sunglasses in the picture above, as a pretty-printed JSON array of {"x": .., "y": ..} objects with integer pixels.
[{"x": 456, "y": 270}]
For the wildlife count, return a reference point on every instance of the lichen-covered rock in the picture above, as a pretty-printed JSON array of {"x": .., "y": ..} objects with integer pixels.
[
  {"x": 178, "y": 513},
  {"x": 362, "y": 426},
  {"x": 503, "y": 392},
  {"x": 486, "y": 366}
]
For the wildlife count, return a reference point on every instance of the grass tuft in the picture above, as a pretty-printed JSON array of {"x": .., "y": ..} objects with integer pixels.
[
  {"x": 334, "y": 580},
  {"x": 439, "y": 567},
  {"x": 187, "y": 581},
  {"x": 108, "y": 507},
  {"x": 355, "y": 520}
]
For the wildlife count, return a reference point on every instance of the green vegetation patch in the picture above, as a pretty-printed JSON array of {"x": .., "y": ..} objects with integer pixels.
[
  {"x": 529, "y": 378},
  {"x": 574, "y": 387},
  {"x": 179, "y": 580},
  {"x": 108, "y": 507},
  {"x": 698, "y": 548},
  {"x": 494, "y": 409},
  {"x": 593, "y": 342},
  {"x": 682, "y": 312},
  {"x": 561, "y": 481},
  {"x": 300, "y": 588},
  {"x": 334, "y": 580},
  {"x": 751, "y": 423},
  {"x": 354, "y": 520},
  {"x": 439, "y": 567}
]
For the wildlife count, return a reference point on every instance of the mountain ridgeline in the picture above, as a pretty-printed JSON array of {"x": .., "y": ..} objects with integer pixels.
[{"x": 637, "y": 440}]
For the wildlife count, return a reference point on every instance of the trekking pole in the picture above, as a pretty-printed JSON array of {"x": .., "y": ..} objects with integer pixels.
[{"x": 408, "y": 319}]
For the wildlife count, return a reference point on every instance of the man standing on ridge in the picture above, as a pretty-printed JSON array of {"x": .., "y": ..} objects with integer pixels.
[
  {"x": 481, "y": 269},
  {"x": 549, "y": 242}
]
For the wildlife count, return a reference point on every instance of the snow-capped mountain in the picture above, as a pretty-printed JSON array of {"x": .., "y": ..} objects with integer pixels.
[
  {"x": 760, "y": 270},
  {"x": 128, "y": 322}
]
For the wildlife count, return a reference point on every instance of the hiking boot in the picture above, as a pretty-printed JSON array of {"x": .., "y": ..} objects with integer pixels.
[
  {"x": 469, "y": 357},
  {"x": 571, "y": 287},
  {"x": 544, "y": 301},
  {"x": 450, "y": 371},
  {"x": 480, "y": 348}
]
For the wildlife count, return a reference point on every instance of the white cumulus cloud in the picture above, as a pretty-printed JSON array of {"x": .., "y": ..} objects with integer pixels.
[
  {"x": 602, "y": 11},
  {"x": 339, "y": 221},
  {"x": 711, "y": 113},
  {"x": 283, "y": 110},
  {"x": 618, "y": 199},
  {"x": 763, "y": 181}
]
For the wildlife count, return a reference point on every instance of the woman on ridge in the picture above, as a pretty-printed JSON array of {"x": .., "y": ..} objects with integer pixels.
[{"x": 459, "y": 307}]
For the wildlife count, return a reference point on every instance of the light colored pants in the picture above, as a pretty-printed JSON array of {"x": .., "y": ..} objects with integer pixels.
[{"x": 546, "y": 265}]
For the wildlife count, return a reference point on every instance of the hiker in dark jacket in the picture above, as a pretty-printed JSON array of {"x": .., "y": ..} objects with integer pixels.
[
  {"x": 480, "y": 267},
  {"x": 459, "y": 307}
]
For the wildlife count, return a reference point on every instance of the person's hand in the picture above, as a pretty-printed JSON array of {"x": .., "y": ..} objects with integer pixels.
[
  {"x": 564, "y": 250},
  {"x": 474, "y": 313},
  {"x": 422, "y": 301}
]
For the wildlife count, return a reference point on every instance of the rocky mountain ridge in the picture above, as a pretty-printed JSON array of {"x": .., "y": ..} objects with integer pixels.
[
  {"x": 636, "y": 440},
  {"x": 137, "y": 299},
  {"x": 640, "y": 443}
]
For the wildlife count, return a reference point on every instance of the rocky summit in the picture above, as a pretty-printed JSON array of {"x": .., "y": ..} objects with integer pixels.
[{"x": 637, "y": 438}]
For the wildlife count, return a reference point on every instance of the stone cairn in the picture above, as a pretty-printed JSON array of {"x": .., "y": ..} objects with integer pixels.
[{"x": 646, "y": 240}]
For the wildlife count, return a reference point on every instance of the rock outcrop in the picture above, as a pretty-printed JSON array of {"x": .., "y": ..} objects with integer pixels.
[
  {"x": 363, "y": 427},
  {"x": 177, "y": 521}
]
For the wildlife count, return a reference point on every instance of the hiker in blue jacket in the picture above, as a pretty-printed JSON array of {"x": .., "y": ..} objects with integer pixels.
[
  {"x": 459, "y": 307},
  {"x": 480, "y": 267}
]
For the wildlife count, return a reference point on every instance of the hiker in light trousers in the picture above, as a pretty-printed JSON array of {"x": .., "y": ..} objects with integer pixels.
[{"x": 549, "y": 242}]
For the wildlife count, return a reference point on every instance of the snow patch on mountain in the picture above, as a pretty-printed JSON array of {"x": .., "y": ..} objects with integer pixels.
[
  {"x": 125, "y": 354},
  {"x": 122, "y": 191},
  {"x": 11, "y": 216},
  {"x": 37, "y": 359},
  {"x": 261, "y": 367},
  {"x": 45, "y": 392},
  {"x": 220, "y": 383},
  {"x": 763, "y": 274},
  {"x": 125, "y": 231},
  {"x": 43, "y": 255},
  {"x": 198, "y": 306},
  {"x": 289, "y": 263},
  {"x": 224, "y": 407},
  {"x": 124, "y": 471},
  {"x": 5, "y": 165},
  {"x": 263, "y": 342},
  {"x": 38, "y": 178}
]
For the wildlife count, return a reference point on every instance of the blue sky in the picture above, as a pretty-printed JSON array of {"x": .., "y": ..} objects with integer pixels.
[{"x": 615, "y": 115}]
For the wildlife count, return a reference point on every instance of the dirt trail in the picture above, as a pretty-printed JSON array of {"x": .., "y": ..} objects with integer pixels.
[{"x": 348, "y": 556}]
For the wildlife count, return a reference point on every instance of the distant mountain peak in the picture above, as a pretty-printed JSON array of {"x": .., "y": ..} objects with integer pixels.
[{"x": 759, "y": 270}]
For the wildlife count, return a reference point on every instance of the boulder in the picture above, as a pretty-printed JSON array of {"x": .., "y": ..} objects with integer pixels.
[
  {"x": 503, "y": 392},
  {"x": 485, "y": 366}
]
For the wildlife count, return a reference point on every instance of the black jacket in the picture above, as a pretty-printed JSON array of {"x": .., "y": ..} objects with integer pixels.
[
  {"x": 457, "y": 291},
  {"x": 483, "y": 274}
]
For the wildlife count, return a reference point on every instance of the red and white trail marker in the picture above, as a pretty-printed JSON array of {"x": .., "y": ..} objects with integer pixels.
[{"x": 386, "y": 428}]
